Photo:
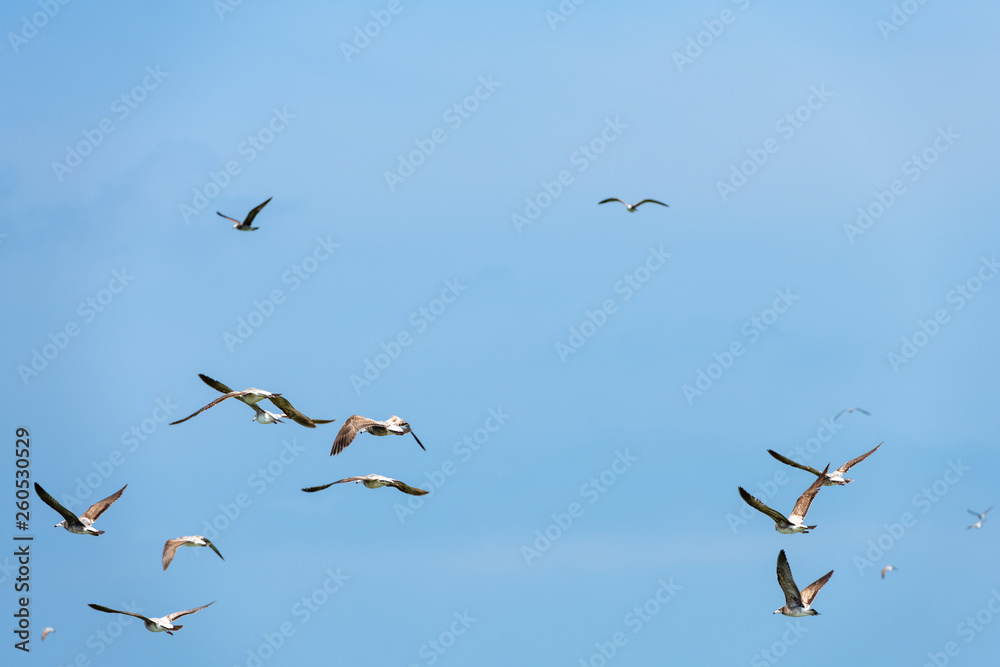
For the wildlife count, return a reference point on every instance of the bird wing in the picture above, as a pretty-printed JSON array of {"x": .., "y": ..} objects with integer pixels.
[
  {"x": 253, "y": 214},
  {"x": 322, "y": 421},
  {"x": 987, "y": 510},
  {"x": 788, "y": 587},
  {"x": 864, "y": 412},
  {"x": 810, "y": 591},
  {"x": 47, "y": 631},
  {"x": 215, "y": 384},
  {"x": 169, "y": 550},
  {"x": 975, "y": 514},
  {"x": 228, "y": 218},
  {"x": 97, "y": 509},
  {"x": 290, "y": 412},
  {"x": 839, "y": 413},
  {"x": 850, "y": 464},
  {"x": 798, "y": 514},
  {"x": 177, "y": 614},
  {"x": 313, "y": 489},
  {"x": 54, "y": 504},
  {"x": 418, "y": 440},
  {"x": 405, "y": 488},
  {"x": 651, "y": 201},
  {"x": 788, "y": 461},
  {"x": 613, "y": 199},
  {"x": 355, "y": 424},
  {"x": 212, "y": 547},
  {"x": 220, "y": 399},
  {"x": 761, "y": 507},
  {"x": 108, "y": 610}
]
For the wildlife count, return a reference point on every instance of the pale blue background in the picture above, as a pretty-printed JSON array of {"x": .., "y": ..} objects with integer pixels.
[{"x": 669, "y": 516}]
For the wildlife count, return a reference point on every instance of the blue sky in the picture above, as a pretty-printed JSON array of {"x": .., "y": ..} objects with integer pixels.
[{"x": 591, "y": 385}]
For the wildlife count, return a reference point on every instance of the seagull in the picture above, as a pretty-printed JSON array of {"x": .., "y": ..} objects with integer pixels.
[
  {"x": 245, "y": 225},
  {"x": 46, "y": 632},
  {"x": 252, "y": 397},
  {"x": 631, "y": 207},
  {"x": 85, "y": 524},
  {"x": 794, "y": 522},
  {"x": 887, "y": 568},
  {"x": 864, "y": 412},
  {"x": 170, "y": 548},
  {"x": 982, "y": 517},
  {"x": 834, "y": 478},
  {"x": 797, "y": 604},
  {"x": 372, "y": 482},
  {"x": 356, "y": 424},
  {"x": 165, "y": 624}
]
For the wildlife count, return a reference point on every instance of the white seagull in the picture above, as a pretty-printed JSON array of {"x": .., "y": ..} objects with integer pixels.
[
  {"x": 164, "y": 624},
  {"x": 252, "y": 397},
  {"x": 245, "y": 225},
  {"x": 170, "y": 548},
  {"x": 84, "y": 525},
  {"x": 834, "y": 478},
  {"x": 849, "y": 410},
  {"x": 982, "y": 517},
  {"x": 631, "y": 207},
  {"x": 372, "y": 482},
  {"x": 356, "y": 424},
  {"x": 797, "y": 604},
  {"x": 46, "y": 632},
  {"x": 887, "y": 568},
  {"x": 795, "y": 521}
]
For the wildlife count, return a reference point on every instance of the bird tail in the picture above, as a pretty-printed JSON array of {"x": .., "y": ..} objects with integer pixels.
[
  {"x": 97, "y": 532},
  {"x": 810, "y": 527}
]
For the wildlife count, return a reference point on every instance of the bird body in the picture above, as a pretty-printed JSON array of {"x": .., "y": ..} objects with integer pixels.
[
  {"x": 356, "y": 424},
  {"x": 252, "y": 397},
  {"x": 372, "y": 482},
  {"x": 245, "y": 226},
  {"x": 982, "y": 517},
  {"x": 84, "y": 524},
  {"x": 850, "y": 410},
  {"x": 631, "y": 207},
  {"x": 795, "y": 522},
  {"x": 170, "y": 548},
  {"x": 153, "y": 624},
  {"x": 796, "y": 603},
  {"x": 887, "y": 568}
]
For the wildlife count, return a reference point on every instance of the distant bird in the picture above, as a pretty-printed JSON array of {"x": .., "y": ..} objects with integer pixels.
[
  {"x": 84, "y": 525},
  {"x": 252, "y": 397},
  {"x": 795, "y": 521},
  {"x": 834, "y": 478},
  {"x": 245, "y": 225},
  {"x": 887, "y": 568},
  {"x": 46, "y": 632},
  {"x": 356, "y": 424},
  {"x": 372, "y": 482},
  {"x": 631, "y": 207},
  {"x": 864, "y": 412},
  {"x": 982, "y": 517},
  {"x": 797, "y": 604},
  {"x": 170, "y": 548},
  {"x": 164, "y": 624}
]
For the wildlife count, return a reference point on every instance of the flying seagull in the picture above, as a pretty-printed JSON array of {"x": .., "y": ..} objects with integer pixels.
[
  {"x": 631, "y": 207},
  {"x": 797, "y": 604},
  {"x": 864, "y": 412},
  {"x": 252, "y": 397},
  {"x": 245, "y": 225},
  {"x": 795, "y": 521},
  {"x": 46, "y": 632},
  {"x": 170, "y": 548},
  {"x": 165, "y": 624},
  {"x": 356, "y": 424},
  {"x": 834, "y": 478},
  {"x": 887, "y": 568},
  {"x": 982, "y": 517},
  {"x": 84, "y": 525},
  {"x": 372, "y": 482}
]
